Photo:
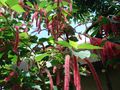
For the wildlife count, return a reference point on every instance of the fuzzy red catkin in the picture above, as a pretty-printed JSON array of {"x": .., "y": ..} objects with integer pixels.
[
  {"x": 16, "y": 40},
  {"x": 67, "y": 72},
  {"x": 50, "y": 78},
  {"x": 76, "y": 74},
  {"x": 58, "y": 78}
]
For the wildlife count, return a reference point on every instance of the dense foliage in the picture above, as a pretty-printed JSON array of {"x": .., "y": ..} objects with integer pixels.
[{"x": 29, "y": 62}]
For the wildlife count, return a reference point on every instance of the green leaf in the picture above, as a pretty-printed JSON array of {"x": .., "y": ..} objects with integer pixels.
[
  {"x": 95, "y": 31},
  {"x": 51, "y": 40},
  {"x": 55, "y": 62},
  {"x": 73, "y": 38},
  {"x": 37, "y": 87},
  {"x": 1, "y": 54},
  {"x": 82, "y": 54},
  {"x": 105, "y": 20},
  {"x": 43, "y": 4},
  {"x": 33, "y": 39},
  {"x": 24, "y": 36},
  {"x": 19, "y": 24},
  {"x": 11, "y": 2},
  {"x": 29, "y": 4},
  {"x": 64, "y": 44},
  {"x": 65, "y": 3},
  {"x": 3, "y": 2},
  {"x": 55, "y": 87},
  {"x": 41, "y": 40},
  {"x": 18, "y": 8},
  {"x": 13, "y": 58},
  {"x": 95, "y": 56},
  {"x": 88, "y": 46},
  {"x": 50, "y": 7},
  {"x": 73, "y": 44},
  {"x": 41, "y": 56},
  {"x": 113, "y": 61}
]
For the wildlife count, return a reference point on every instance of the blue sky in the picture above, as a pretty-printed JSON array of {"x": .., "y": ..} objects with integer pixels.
[{"x": 44, "y": 33}]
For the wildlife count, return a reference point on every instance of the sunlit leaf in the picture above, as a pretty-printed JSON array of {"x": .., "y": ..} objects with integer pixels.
[
  {"x": 41, "y": 56},
  {"x": 88, "y": 46},
  {"x": 51, "y": 7},
  {"x": 29, "y": 4},
  {"x": 43, "y": 4},
  {"x": 73, "y": 44},
  {"x": 18, "y": 8},
  {"x": 19, "y": 24},
  {"x": 3, "y": 2},
  {"x": 82, "y": 54},
  {"x": 13, "y": 58},
  {"x": 24, "y": 35},
  {"x": 64, "y": 43},
  {"x": 64, "y": 3},
  {"x": 51, "y": 40},
  {"x": 11, "y": 3}
]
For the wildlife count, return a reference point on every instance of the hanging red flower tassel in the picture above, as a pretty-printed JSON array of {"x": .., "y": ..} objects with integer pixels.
[
  {"x": 16, "y": 39},
  {"x": 106, "y": 28},
  {"x": 76, "y": 74},
  {"x": 109, "y": 51},
  {"x": 95, "y": 41},
  {"x": 16, "y": 87},
  {"x": 96, "y": 78},
  {"x": 58, "y": 78},
  {"x": 50, "y": 78},
  {"x": 67, "y": 72}
]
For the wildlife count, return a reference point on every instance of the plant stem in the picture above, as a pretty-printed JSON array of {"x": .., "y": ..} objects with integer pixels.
[{"x": 108, "y": 81}]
